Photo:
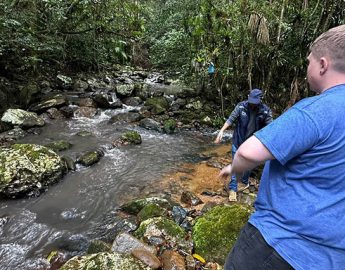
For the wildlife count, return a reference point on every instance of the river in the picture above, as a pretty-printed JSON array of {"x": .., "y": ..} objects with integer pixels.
[{"x": 75, "y": 210}]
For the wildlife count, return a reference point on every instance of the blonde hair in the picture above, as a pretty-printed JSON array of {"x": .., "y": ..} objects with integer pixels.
[{"x": 331, "y": 44}]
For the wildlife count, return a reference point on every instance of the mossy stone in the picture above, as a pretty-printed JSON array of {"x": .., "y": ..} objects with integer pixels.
[
  {"x": 151, "y": 210},
  {"x": 135, "y": 206},
  {"x": 97, "y": 246},
  {"x": 158, "y": 104},
  {"x": 167, "y": 226},
  {"x": 169, "y": 126},
  {"x": 215, "y": 232},
  {"x": 59, "y": 145},
  {"x": 131, "y": 137}
]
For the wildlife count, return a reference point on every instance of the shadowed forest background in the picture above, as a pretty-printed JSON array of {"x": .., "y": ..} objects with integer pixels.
[{"x": 253, "y": 43}]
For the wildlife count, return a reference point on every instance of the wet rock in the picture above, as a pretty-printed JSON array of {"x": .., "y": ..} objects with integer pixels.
[
  {"x": 126, "y": 243},
  {"x": 130, "y": 137},
  {"x": 97, "y": 246},
  {"x": 150, "y": 124},
  {"x": 55, "y": 101},
  {"x": 152, "y": 210},
  {"x": 125, "y": 117},
  {"x": 104, "y": 260},
  {"x": 55, "y": 114},
  {"x": 58, "y": 146},
  {"x": 117, "y": 104},
  {"x": 69, "y": 163},
  {"x": 90, "y": 158},
  {"x": 179, "y": 214},
  {"x": 56, "y": 259},
  {"x": 101, "y": 101},
  {"x": 22, "y": 118},
  {"x": 166, "y": 229},
  {"x": 169, "y": 126},
  {"x": 86, "y": 102},
  {"x": 84, "y": 133},
  {"x": 28, "y": 169},
  {"x": 125, "y": 90},
  {"x": 64, "y": 81},
  {"x": 147, "y": 258},
  {"x": 158, "y": 105},
  {"x": 68, "y": 111},
  {"x": 171, "y": 260},
  {"x": 135, "y": 206},
  {"x": 132, "y": 101},
  {"x": 215, "y": 232},
  {"x": 80, "y": 85},
  {"x": 190, "y": 198},
  {"x": 178, "y": 104},
  {"x": 88, "y": 112},
  {"x": 5, "y": 126}
]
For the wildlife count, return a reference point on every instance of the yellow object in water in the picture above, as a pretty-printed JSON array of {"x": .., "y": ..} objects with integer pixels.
[{"x": 199, "y": 258}]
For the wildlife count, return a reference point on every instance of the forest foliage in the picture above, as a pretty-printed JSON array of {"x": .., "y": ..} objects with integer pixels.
[{"x": 253, "y": 43}]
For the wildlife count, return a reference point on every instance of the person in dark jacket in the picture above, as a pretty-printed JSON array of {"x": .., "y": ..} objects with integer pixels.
[{"x": 248, "y": 117}]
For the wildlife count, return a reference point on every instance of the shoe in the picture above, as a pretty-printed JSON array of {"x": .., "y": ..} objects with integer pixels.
[
  {"x": 242, "y": 186},
  {"x": 232, "y": 196}
]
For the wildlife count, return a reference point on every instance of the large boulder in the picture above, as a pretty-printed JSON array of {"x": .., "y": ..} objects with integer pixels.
[
  {"x": 52, "y": 102},
  {"x": 215, "y": 232},
  {"x": 158, "y": 105},
  {"x": 104, "y": 260},
  {"x": 27, "y": 169},
  {"x": 22, "y": 118}
]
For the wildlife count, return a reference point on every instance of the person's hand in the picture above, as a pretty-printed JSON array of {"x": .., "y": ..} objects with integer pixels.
[
  {"x": 225, "y": 172},
  {"x": 219, "y": 137}
]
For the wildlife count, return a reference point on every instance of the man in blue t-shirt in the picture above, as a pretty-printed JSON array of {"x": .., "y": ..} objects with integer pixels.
[{"x": 299, "y": 219}]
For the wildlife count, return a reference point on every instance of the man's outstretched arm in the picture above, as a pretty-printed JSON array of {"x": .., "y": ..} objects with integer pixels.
[{"x": 248, "y": 156}]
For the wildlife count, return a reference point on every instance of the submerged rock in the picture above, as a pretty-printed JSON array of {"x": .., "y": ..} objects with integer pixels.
[
  {"x": 59, "y": 145},
  {"x": 26, "y": 169},
  {"x": 90, "y": 158}
]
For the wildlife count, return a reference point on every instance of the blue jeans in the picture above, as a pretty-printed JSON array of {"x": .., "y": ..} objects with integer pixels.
[
  {"x": 251, "y": 252},
  {"x": 233, "y": 180}
]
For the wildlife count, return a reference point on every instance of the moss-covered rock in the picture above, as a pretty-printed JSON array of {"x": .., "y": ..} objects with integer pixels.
[
  {"x": 152, "y": 210},
  {"x": 104, "y": 261},
  {"x": 90, "y": 158},
  {"x": 158, "y": 104},
  {"x": 26, "y": 169},
  {"x": 131, "y": 137},
  {"x": 169, "y": 126},
  {"x": 59, "y": 145},
  {"x": 215, "y": 232},
  {"x": 166, "y": 229},
  {"x": 97, "y": 246},
  {"x": 135, "y": 206},
  {"x": 22, "y": 118}
]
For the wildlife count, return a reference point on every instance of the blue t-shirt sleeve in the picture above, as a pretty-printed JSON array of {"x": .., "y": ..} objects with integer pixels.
[{"x": 290, "y": 135}]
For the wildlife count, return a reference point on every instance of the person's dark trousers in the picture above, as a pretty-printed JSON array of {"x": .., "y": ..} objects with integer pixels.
[{"x": 251, "y": 252}]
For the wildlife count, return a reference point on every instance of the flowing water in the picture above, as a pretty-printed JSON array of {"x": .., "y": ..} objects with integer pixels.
[{"x": 73, "y": 211}]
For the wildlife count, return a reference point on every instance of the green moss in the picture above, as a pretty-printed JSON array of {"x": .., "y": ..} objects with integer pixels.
[
  {"x": 167, "y": 226},
  {"x": 97, "y": 246},
  {"x": 131, "y": 137},
  {"x": 89, "y": 158},
  {"x": 215, "y": 233},
  {"x": 151, "y": 210},
  {"x": 135, "y": 206},
  {"x": 169, "y": 126},
  {"x": 159, "y": 104}
]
